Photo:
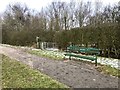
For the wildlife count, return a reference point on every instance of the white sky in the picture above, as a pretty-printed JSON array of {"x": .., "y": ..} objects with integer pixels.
[{"x": 38, "y": 4}]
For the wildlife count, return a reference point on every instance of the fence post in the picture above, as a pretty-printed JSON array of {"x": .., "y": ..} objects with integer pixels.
[{"x": 38, "y": 42}]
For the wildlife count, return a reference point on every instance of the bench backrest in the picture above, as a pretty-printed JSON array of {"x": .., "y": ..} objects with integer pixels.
[{"x": 74, "y": 48}]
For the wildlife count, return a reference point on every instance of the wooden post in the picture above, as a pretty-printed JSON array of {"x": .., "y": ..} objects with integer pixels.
[{"x": 38, "y": 42}]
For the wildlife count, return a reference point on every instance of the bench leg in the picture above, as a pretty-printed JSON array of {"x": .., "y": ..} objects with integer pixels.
[
  {"x": 96, "y": 62},
  {"x": 69, "y": 57}
]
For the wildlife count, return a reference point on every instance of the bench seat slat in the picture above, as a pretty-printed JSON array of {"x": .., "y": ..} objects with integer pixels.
[
  {"x": 73, "y": 49},
  {"x": 80, "y": 56}
]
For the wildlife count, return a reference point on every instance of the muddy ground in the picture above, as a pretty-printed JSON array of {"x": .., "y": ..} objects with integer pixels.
[{"x": 75, "y": 74}]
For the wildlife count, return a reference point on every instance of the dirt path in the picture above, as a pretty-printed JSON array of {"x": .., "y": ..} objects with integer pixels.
[{"x": 72, "y": 73}]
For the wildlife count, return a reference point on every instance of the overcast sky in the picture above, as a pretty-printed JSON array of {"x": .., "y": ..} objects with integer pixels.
[{"x": 38, "y": 4}]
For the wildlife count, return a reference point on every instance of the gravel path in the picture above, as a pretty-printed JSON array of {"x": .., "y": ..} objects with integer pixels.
[{"x": 72, "y": 73}]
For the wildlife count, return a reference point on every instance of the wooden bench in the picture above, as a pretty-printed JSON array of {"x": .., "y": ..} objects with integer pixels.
[{"x": 89, "y": 53}]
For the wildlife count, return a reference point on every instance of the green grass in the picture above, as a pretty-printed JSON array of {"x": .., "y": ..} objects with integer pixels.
[
  {"x": 18, "y": 75},
  {"x": 48, "y": 54},
  {"x": 109, "y": 70},
  {"x": 106, "y": 69}
]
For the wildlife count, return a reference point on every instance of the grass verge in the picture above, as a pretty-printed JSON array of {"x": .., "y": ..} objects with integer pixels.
[
  {"x": 109, "y": 70},
  {"x": 106, "y": 69},
  {"x": 18, "y": 75},
  {"x": 49, "y": 54}
]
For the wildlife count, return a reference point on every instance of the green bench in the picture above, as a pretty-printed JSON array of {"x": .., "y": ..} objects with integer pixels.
[{"x": 90, "y": 53}]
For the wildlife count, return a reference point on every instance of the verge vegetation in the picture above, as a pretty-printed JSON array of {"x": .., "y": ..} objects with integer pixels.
[{"x": 18, "y": 75}]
